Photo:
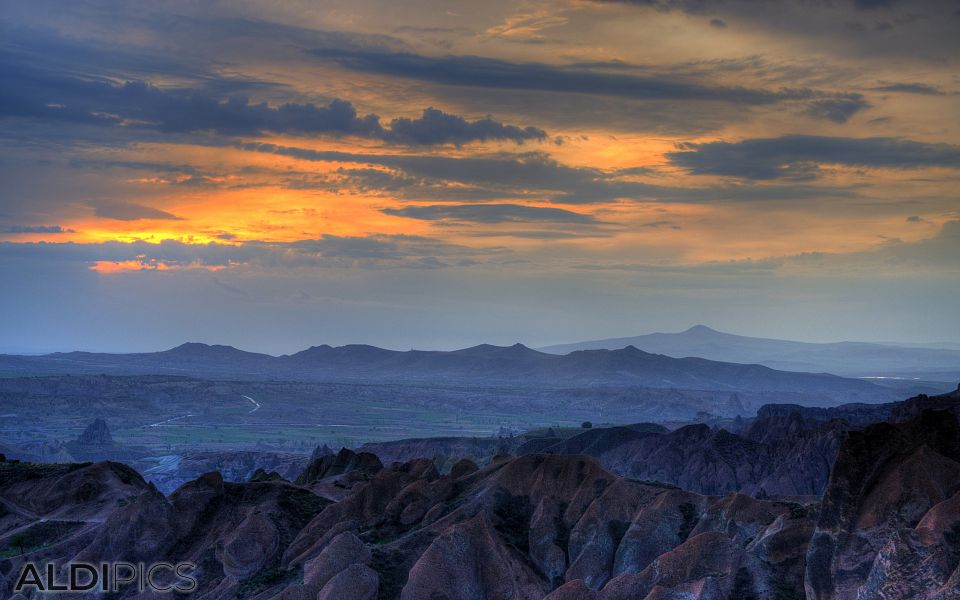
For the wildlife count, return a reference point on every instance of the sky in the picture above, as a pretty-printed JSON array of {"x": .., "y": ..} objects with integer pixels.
[{"x": 427, "y": 174}]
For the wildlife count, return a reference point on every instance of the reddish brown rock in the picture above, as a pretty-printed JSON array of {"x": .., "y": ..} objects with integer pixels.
[
  {"x": 703, "y": 563},
  {"x": 885, "y": 480},
  {"x": 572, "y": 590},
  {"x": 356, "y": 582},
  {"x": 469, "y": 561}
]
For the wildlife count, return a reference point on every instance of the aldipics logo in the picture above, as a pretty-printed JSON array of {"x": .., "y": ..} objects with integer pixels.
[{"x": 107, "y": 577}]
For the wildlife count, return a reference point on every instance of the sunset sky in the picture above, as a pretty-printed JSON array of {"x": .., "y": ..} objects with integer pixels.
[{"x": 276, "y": 175}]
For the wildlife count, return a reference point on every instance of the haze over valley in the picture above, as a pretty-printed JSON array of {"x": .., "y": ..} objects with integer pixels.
[{"x": 163, "y": 406}]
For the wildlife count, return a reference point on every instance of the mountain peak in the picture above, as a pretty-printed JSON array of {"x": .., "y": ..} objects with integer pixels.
[
  {"x": 96, "y": 434},
  {"x": 199, "y": 348},
  {"x": 191, "y": 346},
  {"x": 701, "y": 330},
  {"x": 490, "y": 350}
]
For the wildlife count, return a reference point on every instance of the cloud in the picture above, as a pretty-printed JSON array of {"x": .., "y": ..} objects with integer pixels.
[
  {"x": 718, "y": 23},
  {"x": 507, "y": 171},
  {"x": 895, "y": 257},
  {"x": 482, "y": 72},
  {"x": 328, "y": 251},
  {"x": 542, "y": 234},
  {"x": 706, "y": 6},
  {"x": 838, "y": 110},
  {"x": 659, "y": 224},
  {"x": 36, "y": 93},
  {"x": 37, "y": 229},
  {"x": 490, "y": 213},
  {"x": 873, "y": 4},
  {"x": 437, "y": 127},
  {"x": 798, "y": 156},
  {"x": 124, "y": 211},
  {"x": 531, "y": 175},
  {"x": 910, "y": 88}
]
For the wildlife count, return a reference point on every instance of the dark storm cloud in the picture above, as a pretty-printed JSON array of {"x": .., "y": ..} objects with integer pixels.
[
  {"x": 123, "y": 211},
  {"x": 910, "y": 88},
  {"x": 56, "y": 54},
  {"x": 838, "y": 110},
  {"x": 542, "y": 234},
  {"x": 42, "y": 94},
  {"x": 37, "y": 229},
  {"x": 536, "y": 176},
  {"x": 437, "y": 127},
  {"x": 36, "y": 93},
  {"x": 517, "y": 170},
  {"x": 490, "y": 213},
  {"x": 482, "y": 72},
  {"x": 797, "y": 156}
]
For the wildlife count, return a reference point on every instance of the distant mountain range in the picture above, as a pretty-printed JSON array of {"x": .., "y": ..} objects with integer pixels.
[
  {"x": 484, "y": 364},
  {"x": 932, "y": 362}
]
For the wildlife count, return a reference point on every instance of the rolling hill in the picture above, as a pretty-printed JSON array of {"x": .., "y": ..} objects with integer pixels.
[
  {"x": 850, "y": 359},
  {"x": 486, "y": 364}
]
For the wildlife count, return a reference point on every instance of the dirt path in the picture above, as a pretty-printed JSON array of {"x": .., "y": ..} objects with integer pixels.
[{"x": 256, "y": 405}]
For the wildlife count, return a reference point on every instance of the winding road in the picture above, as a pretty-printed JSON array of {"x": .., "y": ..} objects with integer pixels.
[
  {"x": 168, "y": 421},
  {"x": 256, "y": 405}
]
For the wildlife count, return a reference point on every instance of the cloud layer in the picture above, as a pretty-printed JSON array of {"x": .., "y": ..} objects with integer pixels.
[
  {"x": 35, "y": 94},
  {"x": 496, "y": 172},
  {"x": 798, "y": 156}
]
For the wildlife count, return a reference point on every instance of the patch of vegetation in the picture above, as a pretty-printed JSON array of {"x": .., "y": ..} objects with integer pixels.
[
  {"x": 562, "y": 538},
  {"x": 126, "y": 501},
  {"x": 654, "y": 483},
  {"x": 743, "y": 586},
  {"x": 797, "y": 511},
  {"x": 392, "y": 571},
  {"x": 599, "y": 486},
  {"x": 380, "y": 534},
  {"x": 513, "y": 521},
  {"x": 302, "y": 505},
  {"x": 15, "y": 471},
  {"x": 617, "y": 529},
  {"x": 690, "y": 519},
  {"x": 783, "y": 590},
  {"x": 262, "y": 475},
  {"x": 268, "y": 577},
  {"x": 38, "y": 536},
  {"x": 125, "y": 474},
  {"x": 952, "y": 537}
]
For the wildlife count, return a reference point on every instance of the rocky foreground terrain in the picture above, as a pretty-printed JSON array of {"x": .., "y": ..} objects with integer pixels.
[
  {"x": 786, "y": 450},
  {"x": 541, "y": 525}
]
